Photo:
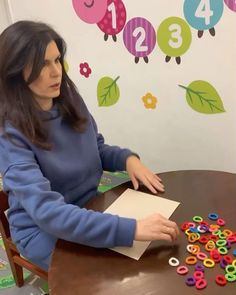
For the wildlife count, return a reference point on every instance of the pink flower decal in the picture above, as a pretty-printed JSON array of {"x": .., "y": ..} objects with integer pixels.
[{"x": 85, "y": 70}]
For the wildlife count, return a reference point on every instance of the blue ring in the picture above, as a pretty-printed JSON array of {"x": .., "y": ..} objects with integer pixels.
[{"x": 213, "y": 216}]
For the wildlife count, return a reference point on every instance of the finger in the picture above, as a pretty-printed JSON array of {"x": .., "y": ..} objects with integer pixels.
[
  {"x": 171, "y": 232},
  {"x": 158, "y": 178},
  {"x": 173, "y": 225},
  {"x": 164, "y": 237},
  {"x": 149, "y": 186},
  {"x": 135, "y": 182},
  {"x": 155, "y": 183}
]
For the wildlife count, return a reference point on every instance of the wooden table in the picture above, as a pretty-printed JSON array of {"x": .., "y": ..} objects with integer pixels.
[{"x": 77, "y": 269}]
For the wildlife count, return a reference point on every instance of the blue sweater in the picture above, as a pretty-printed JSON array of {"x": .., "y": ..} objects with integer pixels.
[{"x": 48, "y": 189}]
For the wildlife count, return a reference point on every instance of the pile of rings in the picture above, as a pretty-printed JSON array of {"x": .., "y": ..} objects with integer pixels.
[{"x": 209, "y": 245}]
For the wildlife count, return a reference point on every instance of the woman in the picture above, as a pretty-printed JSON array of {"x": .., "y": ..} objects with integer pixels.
[{"x": 52, "y": 156}]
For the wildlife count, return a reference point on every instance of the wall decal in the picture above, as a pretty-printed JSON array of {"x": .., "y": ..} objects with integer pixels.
[
  {"x": 85, "y": 70},
  {"x": 203, "y": 14},
  {"x": 174, "y": 38},
  {"x": 149, "y": 100},
  {"x": 203, "y": 97},
  {"x": 231, "y": 4},
  {"x": 66, "y": 66},
  {"x": 90, "y": 11},
  {"x": 114, "y": 20},
  {"x": 139, "y": 38},
  {"x": 108, "y": 91}
]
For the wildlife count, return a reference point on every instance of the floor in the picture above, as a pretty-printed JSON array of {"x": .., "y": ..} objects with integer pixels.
[{"x": 33, "y": 284}]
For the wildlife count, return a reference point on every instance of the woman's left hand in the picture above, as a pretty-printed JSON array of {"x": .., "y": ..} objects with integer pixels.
[{"x": 139, "y": 173}]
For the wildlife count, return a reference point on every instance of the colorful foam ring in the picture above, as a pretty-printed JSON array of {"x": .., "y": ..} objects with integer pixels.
[
  {"x": 221, "y": 243},
  {"x": 208, "y": 262},
  {"x": 199, "y": 267},
  {"x": 220, "y": 221},
  {"x": 234, "y": 252},
  {"x": 191, "y": 260},
  {"x": 213, "y": 216},
  {"x": 190, "y": 281},
  {"x": 191, "y": 224},
  {"x": 230, "y": 277},
  {"x": 227, "y": 232},
  {"x": 193, "y": 249},
  {"x": 221, "y": 280},
  {"x": 222, "y": 236},
  {"x": 193, "y": 237},
  {"x": 234, "y": 262},
  {"x": 202, "y": 228},
  {"x": 231, "y": 239},
  {"x": 173, "y": 261},
  {"x": 228, "y": 259},
  {"x": 197, "y": 219},
  {"x": 223, "y": 263},
  {"x": 217, "y": 232},
  {"x": 228, "y": 245},
  {"x": 213, "y": 238},
  {"x": 231, "y": 269},
  {"x": 201, "y": 284},
  {"x": 182, "y": 270},
  {"x": 193, "y": 229},
  {"x": 198, "y": 275},
  {"x": 215, "y": 255},
  {"x": 201, "y": 256},
  {"x": 184, "y": 226},
  {"x": 187, "y": 232},
  {"x": 223, "y": 250},
  {"x": 203, "y": 239},
  {"x": 210, "y": 245},
  {"x": 213, "y": 227}
]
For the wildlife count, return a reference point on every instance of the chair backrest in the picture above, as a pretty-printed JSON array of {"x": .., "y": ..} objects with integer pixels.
[
  {"x": 17, "y": 262},
  {"x": 3, "y": 220}
]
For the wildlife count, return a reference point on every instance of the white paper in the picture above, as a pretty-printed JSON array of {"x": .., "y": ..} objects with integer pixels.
[{"x": 138, "y": 205}]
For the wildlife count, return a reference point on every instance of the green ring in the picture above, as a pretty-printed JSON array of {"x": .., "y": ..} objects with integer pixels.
[
  {"x": 221, "y": 243},
  {"x": 217, "y": 232},
  {"x": 197, "y": 218},
  {"x": 230, "y": 277},
  {"x": 231, "y": 269},
  {"x": 223, "y": 250}
]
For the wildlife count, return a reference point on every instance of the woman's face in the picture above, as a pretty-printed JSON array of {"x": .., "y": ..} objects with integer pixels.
[{"x": 47, "y": 85}]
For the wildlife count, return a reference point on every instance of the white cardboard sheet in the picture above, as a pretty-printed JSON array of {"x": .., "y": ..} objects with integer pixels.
[{"x": 138, "y": 205}]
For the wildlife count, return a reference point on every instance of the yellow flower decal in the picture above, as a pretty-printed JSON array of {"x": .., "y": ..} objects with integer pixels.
[{"x": 149, "y": 101}]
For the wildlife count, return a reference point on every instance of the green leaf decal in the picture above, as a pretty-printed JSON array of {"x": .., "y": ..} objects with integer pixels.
[
  {"x": 108, "y": 91},
  {"x": 203, "y": 97}
]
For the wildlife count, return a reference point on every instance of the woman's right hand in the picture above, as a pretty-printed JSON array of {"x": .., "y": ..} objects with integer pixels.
[{"x": 156, "y": 227}]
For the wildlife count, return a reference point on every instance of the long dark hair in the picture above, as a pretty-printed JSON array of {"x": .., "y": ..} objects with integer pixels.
[{"x": 24, "y": 43}]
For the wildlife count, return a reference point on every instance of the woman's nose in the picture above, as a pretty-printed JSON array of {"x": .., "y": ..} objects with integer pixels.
[{"x": 56, "y": 69}]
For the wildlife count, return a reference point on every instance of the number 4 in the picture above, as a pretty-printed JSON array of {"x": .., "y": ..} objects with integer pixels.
[{"x": 204, "y": 11}]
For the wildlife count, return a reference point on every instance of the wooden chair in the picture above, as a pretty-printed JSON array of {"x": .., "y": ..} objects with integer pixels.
[{"x": 17, "y": 262}]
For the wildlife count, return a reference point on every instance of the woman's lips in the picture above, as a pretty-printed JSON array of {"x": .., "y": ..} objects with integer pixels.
[{"x": 55, "y": 86}]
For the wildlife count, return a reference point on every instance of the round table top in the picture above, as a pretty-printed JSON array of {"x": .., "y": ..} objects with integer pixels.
[{"x": 77, "y": 269}]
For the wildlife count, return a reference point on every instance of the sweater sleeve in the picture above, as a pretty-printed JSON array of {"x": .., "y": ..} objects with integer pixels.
[
  {"x": 27, "y": 186},
  {"x": 113, "y": 157}
]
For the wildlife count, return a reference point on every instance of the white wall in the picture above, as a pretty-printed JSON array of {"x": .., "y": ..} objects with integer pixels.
[
  {"x": 5, "y": 16},
  {"x": 173, "y": 136}
]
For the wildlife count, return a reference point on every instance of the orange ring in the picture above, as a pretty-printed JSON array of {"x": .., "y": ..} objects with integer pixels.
[{"x": 191, "y": 260}]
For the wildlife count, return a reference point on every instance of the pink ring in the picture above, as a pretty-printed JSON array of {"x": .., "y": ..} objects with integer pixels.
[{"x": 182, "y": 270}]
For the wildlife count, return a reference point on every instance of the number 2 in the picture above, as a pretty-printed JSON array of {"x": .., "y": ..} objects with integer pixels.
[{"x": 139, "y": 47}]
